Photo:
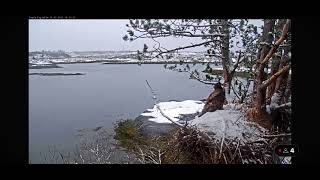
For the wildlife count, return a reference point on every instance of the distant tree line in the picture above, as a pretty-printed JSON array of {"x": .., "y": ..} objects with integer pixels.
[{"x": 59, "y": 53}]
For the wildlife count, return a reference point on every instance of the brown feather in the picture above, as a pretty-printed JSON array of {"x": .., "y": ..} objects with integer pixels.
[{"x": 215, "y": 100}]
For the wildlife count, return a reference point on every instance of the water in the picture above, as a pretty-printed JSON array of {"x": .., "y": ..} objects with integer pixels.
[{"x": 59, "y": 106}]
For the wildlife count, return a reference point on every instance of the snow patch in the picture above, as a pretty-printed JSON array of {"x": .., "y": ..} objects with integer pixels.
[
  {"x": 217, "y": 68},
  {"x": 230, "y": 124},
  {"x": 173, "y": 109},
  {"x": 273, "y": 103}
]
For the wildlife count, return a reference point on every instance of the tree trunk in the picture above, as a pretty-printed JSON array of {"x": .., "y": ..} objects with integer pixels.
[
  {"x": 281, "y": 83},
  {"x": 274, "y": 68},
  {"x": 261, "y": 74},
  {"x": 225, "y": 54},
  {"x": 258, "y": 112},
  {"x": 287, "y": 92}
]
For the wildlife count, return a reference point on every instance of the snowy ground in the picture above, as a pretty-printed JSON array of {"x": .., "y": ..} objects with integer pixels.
[{"x": 228, "y": 123}]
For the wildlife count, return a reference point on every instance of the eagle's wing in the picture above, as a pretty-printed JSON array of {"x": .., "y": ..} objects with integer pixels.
[
  {"x": 214, "y": 102},
  {"x": 213, "y": 95}
]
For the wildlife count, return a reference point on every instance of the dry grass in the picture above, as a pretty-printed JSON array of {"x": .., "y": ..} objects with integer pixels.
[{"x": 188, "y": 145}]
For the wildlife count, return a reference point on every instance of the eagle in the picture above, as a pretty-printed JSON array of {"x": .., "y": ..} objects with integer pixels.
[{"x": 215, "y": 100}]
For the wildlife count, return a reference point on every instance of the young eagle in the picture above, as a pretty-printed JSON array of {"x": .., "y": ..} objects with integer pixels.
[{"x": 215, "y": 100}]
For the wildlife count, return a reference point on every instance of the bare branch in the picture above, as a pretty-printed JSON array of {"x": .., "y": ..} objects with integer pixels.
[
  {"x": 186, "y": 47},
  {"x": 137, "y": 37},
  {"x": 275, "y": 46},
  {"x": 276, "y": 135},
  {"x": 158, "y": 107},
  {"x": 283, "y": 105},
  {"x": 189, "y": 25},
  {"x": 235, "y": 92},
  {"x": 197, "y": 77},
  {"x": 223, "y": 137},
  {"x": 235, "y": 66},
  {"x": 274, "y": 77},
  {"x": 153, "y": 33}
]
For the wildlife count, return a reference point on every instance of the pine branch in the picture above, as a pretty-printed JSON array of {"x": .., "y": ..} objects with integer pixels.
[
  {"x": 150, "y": 33},
  {"x": 197, "y": 77},
  {"x": 201, "y": 80},
  {"x": 186, "y": 47}
]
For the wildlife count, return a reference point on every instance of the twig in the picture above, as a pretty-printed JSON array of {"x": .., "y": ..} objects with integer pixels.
[
  {"x": 142, "y": 155},
  {"x": 240, "y": 156},
  {"x": 159, "y": 155},
  {"x": 198, "y": 78},
  {"x": 235, "y": 92},
  {"x": 185, "y": 47},
  {"x": 224, "y": 133},
  {"x": 276, "y": 135},
  {"x": 225, "y": 159},
  {"x": 158, "y": 107},
  {"x": 81, "y": 158},
  {"x": 234, "y": 154}
]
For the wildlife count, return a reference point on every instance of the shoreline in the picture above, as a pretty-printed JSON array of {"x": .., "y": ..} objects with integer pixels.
[
  {"x": 56, "y": 65},
  {"x": 56, "y": 74},
  {"x": 150, "y": 62}
]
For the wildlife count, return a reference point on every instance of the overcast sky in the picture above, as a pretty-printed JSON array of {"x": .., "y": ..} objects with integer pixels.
[{"x": 93, "y": 35}]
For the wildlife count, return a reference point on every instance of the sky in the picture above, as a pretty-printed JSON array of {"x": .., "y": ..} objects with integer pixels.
[{"x": 93, "y": 35}]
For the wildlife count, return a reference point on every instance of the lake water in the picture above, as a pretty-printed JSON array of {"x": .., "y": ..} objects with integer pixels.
[{"x": 59, "y": 106}]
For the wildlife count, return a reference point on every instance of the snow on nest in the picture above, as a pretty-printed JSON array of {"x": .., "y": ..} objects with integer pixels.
[
  {"x": 229, "y": 123},
  {"x": 173, "y": 109}
]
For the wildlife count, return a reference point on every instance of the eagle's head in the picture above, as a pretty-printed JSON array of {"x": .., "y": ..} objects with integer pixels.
[{"x": 218, "y": 86}]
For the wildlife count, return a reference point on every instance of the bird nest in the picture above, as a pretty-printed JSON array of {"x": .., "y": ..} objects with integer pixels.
[{"x": 189, "y": 145}]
